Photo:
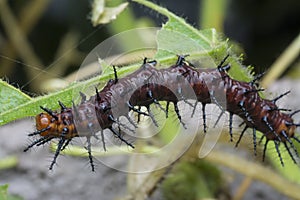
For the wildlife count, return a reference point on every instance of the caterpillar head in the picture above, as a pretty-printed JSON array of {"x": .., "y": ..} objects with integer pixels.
[
  {"x": 53, "y": 124},
  {"x": 45, "y": 123},
  {"x": 288, "y": 127}
]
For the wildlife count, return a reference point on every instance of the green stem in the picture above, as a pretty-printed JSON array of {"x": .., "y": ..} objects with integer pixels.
[{"x": 283, "y": 62}]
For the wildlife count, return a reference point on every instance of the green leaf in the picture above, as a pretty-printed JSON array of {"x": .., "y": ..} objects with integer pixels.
[
  {"x": 5, "y": 196},
  {"x": 192, "y": 180},
  {"x": 8, "y": 162},
  {"x": 10, "y": 96},
  {"x": 3, "y": 191}
]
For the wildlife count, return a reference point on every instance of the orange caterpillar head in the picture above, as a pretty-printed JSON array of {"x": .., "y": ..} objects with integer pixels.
[
  {"x": 53, "y": 124},
  {"x": 45, "y": 123},
  {"x": 287, "y": 128}
]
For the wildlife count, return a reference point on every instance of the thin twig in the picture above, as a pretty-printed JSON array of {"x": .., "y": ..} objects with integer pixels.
[
  {"x": 244, "y": 186},
  {"x": 257, "y": 172}
]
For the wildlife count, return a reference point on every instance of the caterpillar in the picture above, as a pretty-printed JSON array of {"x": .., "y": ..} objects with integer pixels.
[{"x": 149, "y": 85}]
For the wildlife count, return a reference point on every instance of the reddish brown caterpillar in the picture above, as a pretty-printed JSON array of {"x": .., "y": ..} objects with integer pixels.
[{"x": 141, "y": 88}]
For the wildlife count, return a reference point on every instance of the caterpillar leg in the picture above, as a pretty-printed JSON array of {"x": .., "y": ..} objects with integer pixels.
[
  {"x": 265, "y": 120},
  {"x": 38, "y": 142},
  {"x": 66, "y": 144},
  {"x": 256, "y": 78},
  {"x": 289, "y": 151},
  {"x": 283, "y": 133},
  {"x": 150, "y": 95},
  {"x": 254, "y": 140},
  {"x": 178, "y": 114},
  {"x": 60, "y": 146},
  {"x": 176, "y": 111},
  {"x": 89, "y": 149},
  {"x": 57, "y": 152},
  {"x": 276, "y": 143},
  {"x": 230, "y": 125},
  {"x": 242, "y": 134},
  {"x": 38, "y": 132},
  {"x": 204, "y": 117},
  {"x": 203, "y": 114},
  {"x": 111, "y": 118},
  {"x": 131, "y": 107},
  {"x": 131, "y": 121},
  {"x": 167, "y": 109},
  {"x": 118, "y": 135},
  {"x": 103, "y": 141},
  {"x": 194, "y": 108},
  {"x": 253, "y": 135},
  {"x": 151, "y": 116}
]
